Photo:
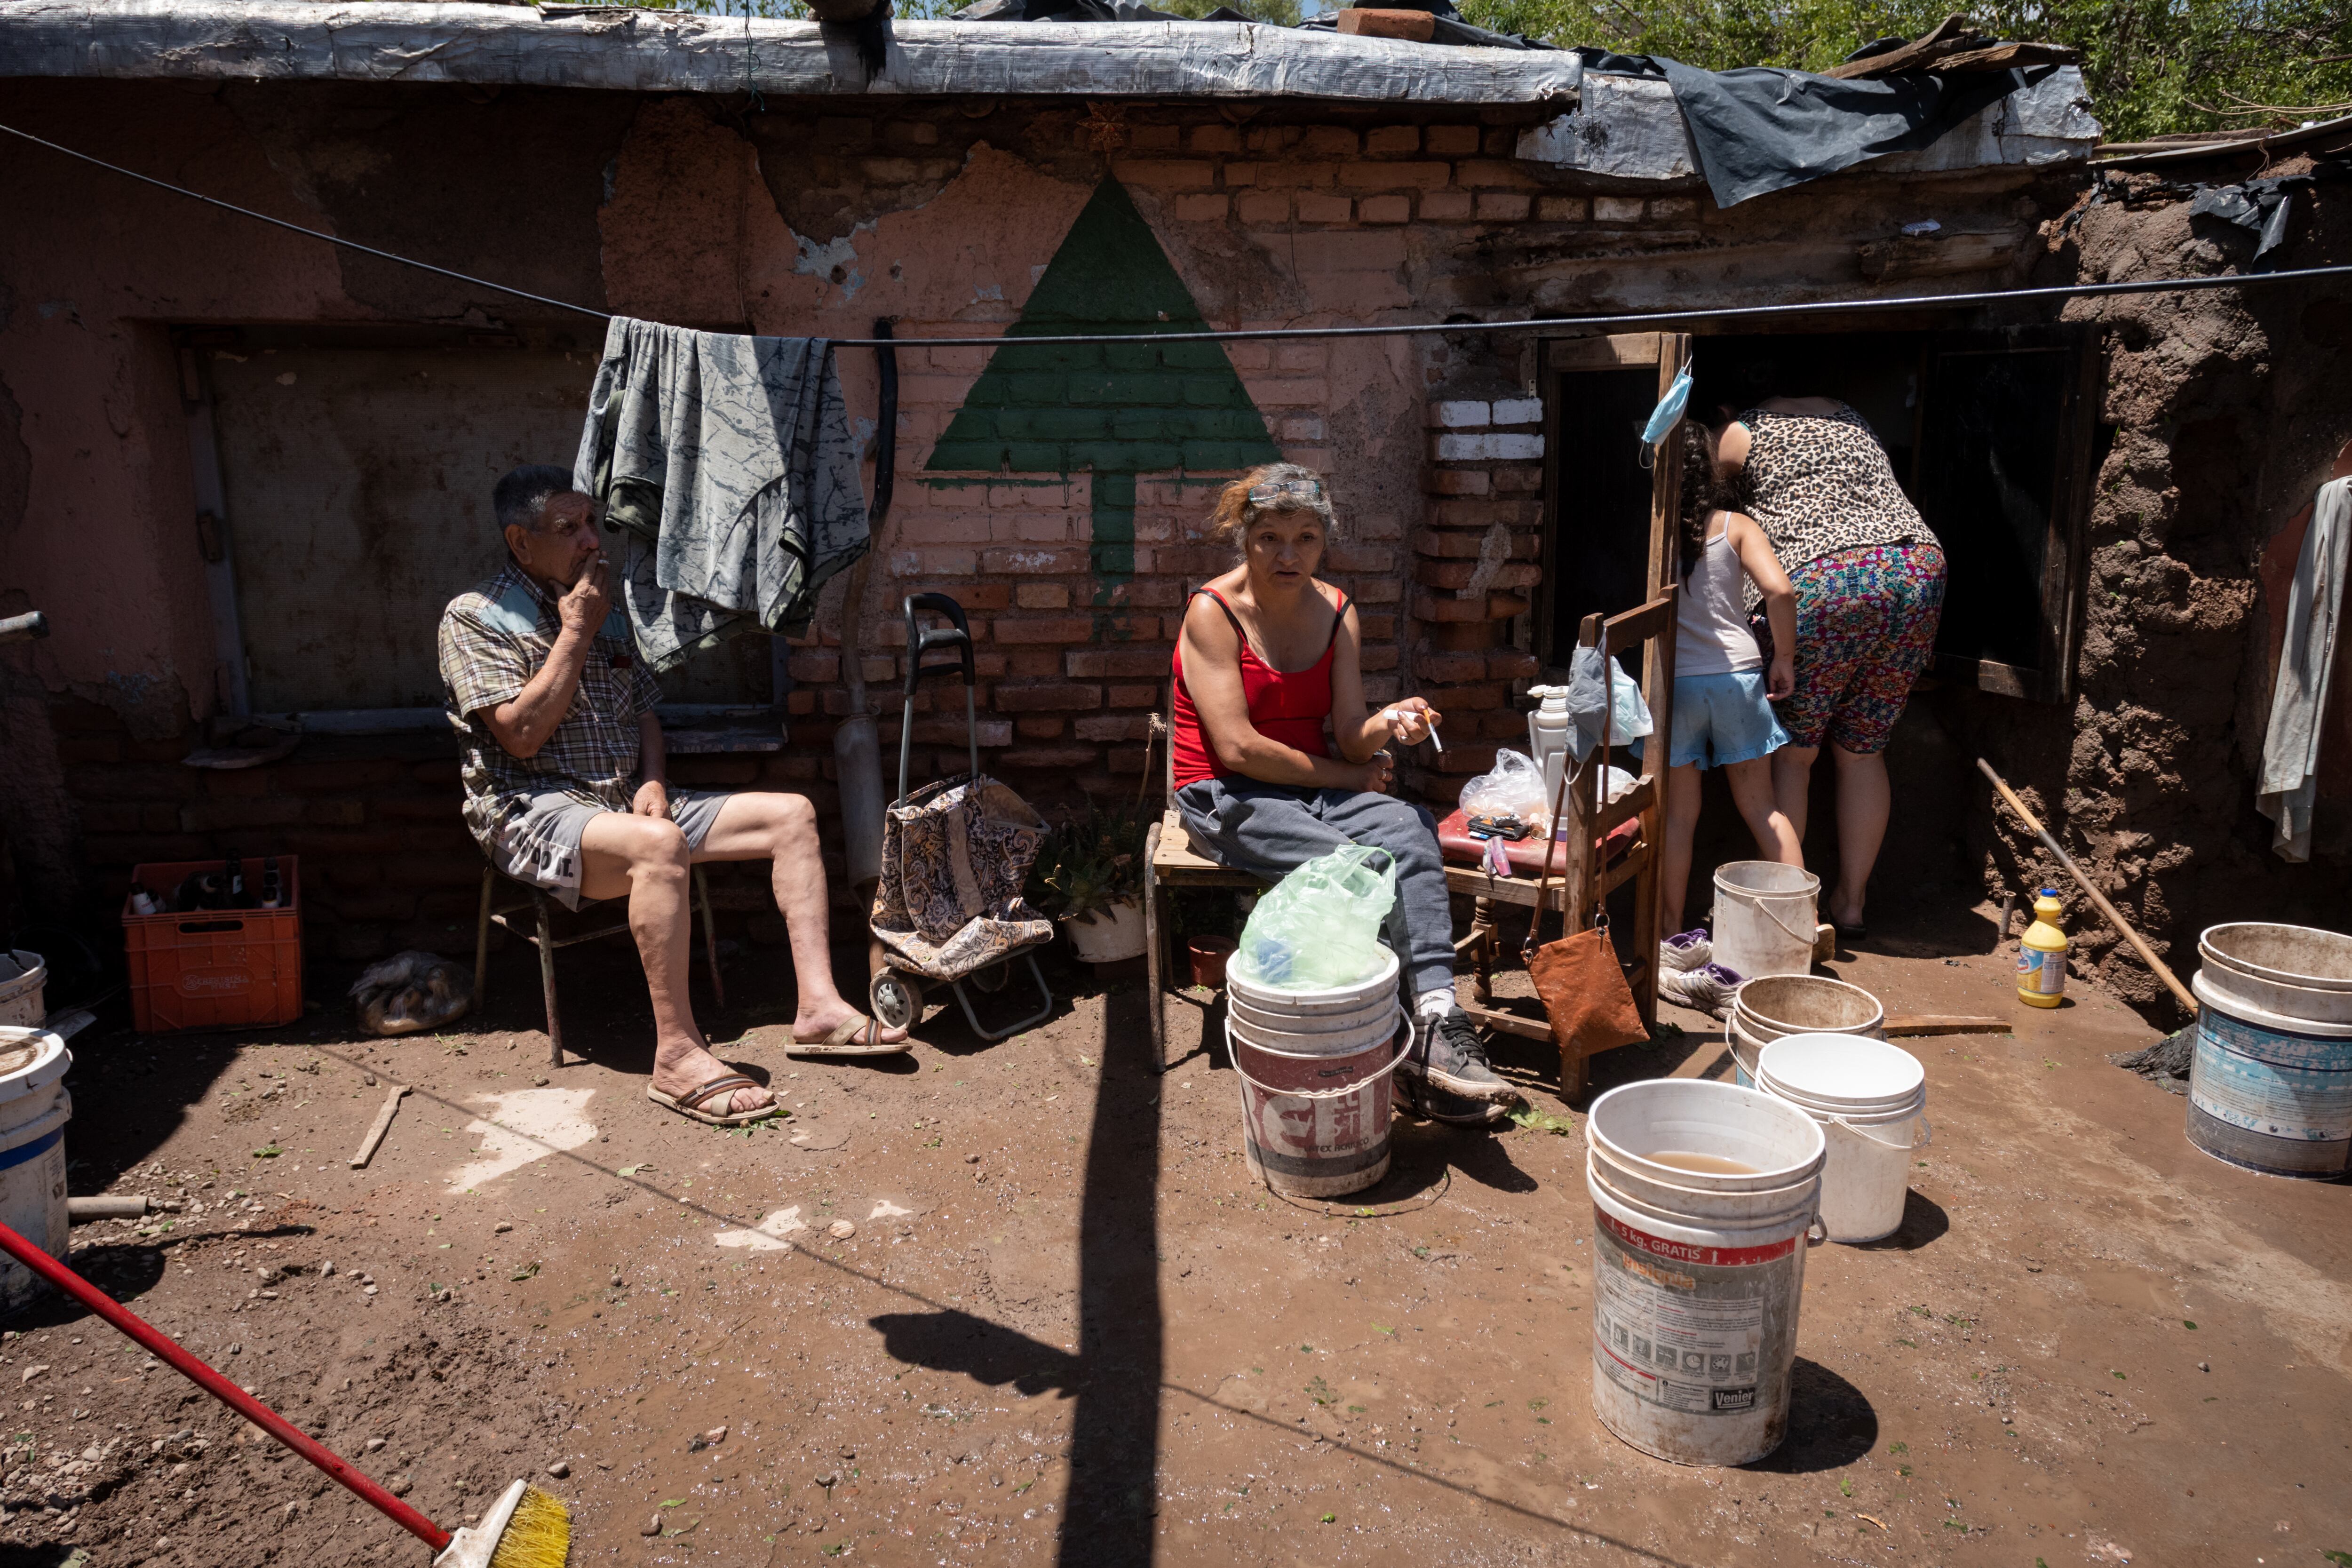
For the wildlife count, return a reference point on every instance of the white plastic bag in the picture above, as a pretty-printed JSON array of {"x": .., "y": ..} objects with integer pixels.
[
  {"x": 1319, "y": 927},
  {"x": 1514, "y": 787}
]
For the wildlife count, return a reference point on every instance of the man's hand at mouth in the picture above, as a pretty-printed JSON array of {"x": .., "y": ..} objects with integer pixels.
[
  {"x": 652, "y": 800},
  {"x": 584, "y": 604}
]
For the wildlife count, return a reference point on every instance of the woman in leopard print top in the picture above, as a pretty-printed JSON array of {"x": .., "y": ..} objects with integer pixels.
[{"x": 1869, "y": 578}]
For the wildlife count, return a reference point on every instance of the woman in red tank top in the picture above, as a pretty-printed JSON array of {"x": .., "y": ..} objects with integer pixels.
[{"x": 1268, "y": 657}]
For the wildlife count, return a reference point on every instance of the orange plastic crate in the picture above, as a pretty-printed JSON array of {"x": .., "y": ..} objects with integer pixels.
[{"x": 214, "y": 968}]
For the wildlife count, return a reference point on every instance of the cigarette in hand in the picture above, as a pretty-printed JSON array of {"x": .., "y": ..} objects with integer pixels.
[{"x": 1397, "y": 715}]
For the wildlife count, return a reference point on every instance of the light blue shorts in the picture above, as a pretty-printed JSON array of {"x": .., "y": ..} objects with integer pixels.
[{"x": 1723, "y": 719}]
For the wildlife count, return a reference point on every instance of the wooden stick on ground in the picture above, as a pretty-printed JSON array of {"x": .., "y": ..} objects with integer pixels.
[
  {"x": 379, "y": 1127},
  {"x": 2115, "y": 919}
]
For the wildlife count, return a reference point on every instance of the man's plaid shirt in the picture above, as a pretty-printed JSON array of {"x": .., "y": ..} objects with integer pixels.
[{"x": 494, "y": 638}]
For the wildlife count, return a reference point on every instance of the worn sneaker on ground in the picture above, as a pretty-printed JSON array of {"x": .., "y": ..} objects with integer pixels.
[
  {"x": 1684, "y": 951},
  {"x": 1707, "y": 988},
  {"x": 1426, "y": 1099},
  {"x": 1452, "y": 1058}
]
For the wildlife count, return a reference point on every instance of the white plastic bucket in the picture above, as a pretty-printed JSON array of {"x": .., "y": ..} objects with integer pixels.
[
  {"x": 1764, "y": 918},
  {"x": 1870, "y": 1099},
  {"x": 21, "y": 1001},
  {"x": 34, "y": 1111},
  {"x": 1697, "y": 1276},
  {"x": 1371, "y": 991},
  {"x": 1316, "y": 1070},
  {"x": 1764, "y": 1010},
  {"x": 2295, "y": 972},
  {"x": 2270, "y": 1088}
]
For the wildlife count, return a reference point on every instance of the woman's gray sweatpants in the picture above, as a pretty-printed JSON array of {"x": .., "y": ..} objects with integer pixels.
[{"x": 1273, "y": 830}]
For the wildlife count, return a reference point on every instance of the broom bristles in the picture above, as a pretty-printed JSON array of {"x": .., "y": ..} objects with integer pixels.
[{"x": 538, "y": 1534}]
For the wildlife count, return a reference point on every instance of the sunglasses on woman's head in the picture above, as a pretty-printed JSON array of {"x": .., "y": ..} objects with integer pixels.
[{"x": 1280, "y": 489}]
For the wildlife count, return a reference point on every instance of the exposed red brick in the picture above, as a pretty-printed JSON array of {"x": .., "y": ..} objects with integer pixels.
[
  {"x": 1134, "y": 696},
  {"x": 1056, "y": 758},
  {"x": 1463, "y": 637},
  {"x": 1443, "y": 666},
  {"x": 1111, "y": 663},
  {"x": 1512, "y": 666},
  {"x": 1166, "y": 174},
  {"x": 1457, "y": 574},
  {"x": 1040, "y": 729},
  {"x": 1113, "y": 727},
  {"x": 1032, "y": 662},
  {"x": 1455, "y": 481},
  {"x": 1070, "y": 629},
  {"x": 1055, "y": 697},
  {"x": 1451, "y": 140}
]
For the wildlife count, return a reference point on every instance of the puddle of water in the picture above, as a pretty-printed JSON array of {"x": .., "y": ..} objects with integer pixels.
[
  {"x": 523, "y": 1126},
  {"x": 768, "y": 1235}
]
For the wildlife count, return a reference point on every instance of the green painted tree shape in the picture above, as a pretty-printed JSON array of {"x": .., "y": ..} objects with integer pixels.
[{"x": 1117, "y": 409}]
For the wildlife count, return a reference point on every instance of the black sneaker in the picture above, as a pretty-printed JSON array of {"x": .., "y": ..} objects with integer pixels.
[
  {"x": 1452, "y": 1058},
  {"x": 1426, "y": 1099}
]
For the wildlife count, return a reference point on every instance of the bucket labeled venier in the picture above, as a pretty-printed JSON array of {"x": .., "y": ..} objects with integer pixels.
[
  {"x": 1702, "y": 1195},
  {"x": 34, "y": 1111},
  {"x": 2270, "y": 1079},
  {"x": 1316, "y": 1070}
]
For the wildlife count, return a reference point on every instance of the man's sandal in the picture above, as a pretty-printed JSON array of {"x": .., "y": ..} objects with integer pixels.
[
  {"x": 843, "y": 1041},
  {"x": 691, "y": 1103}
]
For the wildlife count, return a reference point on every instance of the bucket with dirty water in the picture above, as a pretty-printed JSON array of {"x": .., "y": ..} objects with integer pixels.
[
  {"x": 1702, "y": 1195},
  {"x": 2270, "y": 1079},
  {"x": 23, "y": 977},
  {"x": 1870, "y": 1099},
  {"x": 34, "y": 1111},
  {"x": 1764, "y": 914},
  {"x": 1764, "y": 1010},
  {"x": 1316, "y": 1070}
]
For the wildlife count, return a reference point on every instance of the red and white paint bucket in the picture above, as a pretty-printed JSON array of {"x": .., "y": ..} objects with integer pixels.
[
  {"x": 1702, "y": 1195},
  {"x": 1315, "y": 1070}
]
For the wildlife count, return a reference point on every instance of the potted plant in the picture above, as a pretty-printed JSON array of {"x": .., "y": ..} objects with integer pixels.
[{"x": 1089, "y": 877}]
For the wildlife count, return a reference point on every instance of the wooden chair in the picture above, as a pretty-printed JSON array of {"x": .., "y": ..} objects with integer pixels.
[
  {"x": 1171, "y": 864},
  {"x": 543, "y": 936},
  {"x": 1587, "y": 871}
]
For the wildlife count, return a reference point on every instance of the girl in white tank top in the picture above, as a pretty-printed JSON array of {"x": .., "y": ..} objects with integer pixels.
[{"x": 1722, "y": 715}]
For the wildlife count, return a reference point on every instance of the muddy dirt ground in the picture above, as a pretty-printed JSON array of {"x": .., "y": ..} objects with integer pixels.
[{"x": 1067, "y": 1326}]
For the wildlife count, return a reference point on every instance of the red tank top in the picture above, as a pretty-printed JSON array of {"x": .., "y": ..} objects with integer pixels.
[{"x": 1286, "y": 706}]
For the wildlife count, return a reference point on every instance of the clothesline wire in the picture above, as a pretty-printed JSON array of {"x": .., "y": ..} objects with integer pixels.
[{"x": 1406, "y": 329}]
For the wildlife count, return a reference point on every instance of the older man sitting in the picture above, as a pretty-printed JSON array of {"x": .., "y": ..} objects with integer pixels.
[{"x": 564, "y": 788}]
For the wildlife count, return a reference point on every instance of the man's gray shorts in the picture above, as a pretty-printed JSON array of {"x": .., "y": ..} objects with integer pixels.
[{"x": 540, "y": 844}]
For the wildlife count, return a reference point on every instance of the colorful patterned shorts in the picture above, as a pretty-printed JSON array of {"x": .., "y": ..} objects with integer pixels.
[{"x": 1866, "y": 625}]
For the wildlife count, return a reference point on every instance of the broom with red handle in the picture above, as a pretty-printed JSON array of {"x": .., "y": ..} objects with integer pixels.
[{"x": 497, "y": 1542}]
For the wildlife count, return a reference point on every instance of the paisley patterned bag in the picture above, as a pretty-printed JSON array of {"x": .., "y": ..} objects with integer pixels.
[{"x": 955, "y": 855}]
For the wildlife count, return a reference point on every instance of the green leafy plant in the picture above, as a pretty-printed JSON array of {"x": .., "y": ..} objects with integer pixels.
[
  {"x": 1089, "y": 862},
  {"x": 2153, "y": 66}
]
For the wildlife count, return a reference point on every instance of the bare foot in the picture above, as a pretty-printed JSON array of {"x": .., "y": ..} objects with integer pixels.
[
  {"x": 815, "y": 1024},
  {"x": 679, "y": 1070}
]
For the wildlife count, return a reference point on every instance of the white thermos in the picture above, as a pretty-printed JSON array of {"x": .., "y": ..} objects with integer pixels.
[{"x": 1548, "y": 736}]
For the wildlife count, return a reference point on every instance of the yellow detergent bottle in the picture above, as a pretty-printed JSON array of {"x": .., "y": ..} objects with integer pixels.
[{"x": 2042, "y": 955}]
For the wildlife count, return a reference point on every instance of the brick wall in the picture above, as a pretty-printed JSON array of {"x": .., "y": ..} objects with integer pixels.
[
  {"x": 1475, "y": 562},
  {"x": 386, "y": 861}
]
